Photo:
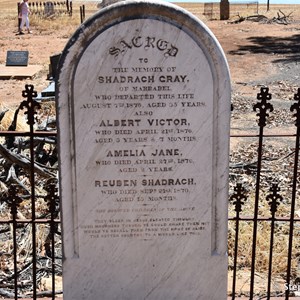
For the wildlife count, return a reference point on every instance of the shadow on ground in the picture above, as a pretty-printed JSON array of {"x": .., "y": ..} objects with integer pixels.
[{"x": 286, "y": 46}]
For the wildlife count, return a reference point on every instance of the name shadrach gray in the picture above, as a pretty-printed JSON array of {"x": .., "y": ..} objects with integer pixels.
[{"x": 143, "y": 79}]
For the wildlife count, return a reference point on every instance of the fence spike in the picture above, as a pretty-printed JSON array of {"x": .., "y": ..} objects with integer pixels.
[
  {"x": 263, "y": 106},
  {"x": 30, "y": 103},
  {"x": 274, "y": 199},
  {"x": 52, "y": 197},
  {"x": 238, "y": 198}
]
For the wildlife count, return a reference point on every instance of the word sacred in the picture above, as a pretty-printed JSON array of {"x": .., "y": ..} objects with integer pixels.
[
  {"x": 147, "y": 43},
  {"x": 143, "y": 79}
]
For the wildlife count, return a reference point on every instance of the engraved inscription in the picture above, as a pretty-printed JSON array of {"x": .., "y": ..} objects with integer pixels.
[
  {"x": 146, "y": 43},
  {"x": 145, "y": 118}
]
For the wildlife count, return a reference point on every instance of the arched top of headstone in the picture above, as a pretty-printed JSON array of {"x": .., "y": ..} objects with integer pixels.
[
  {"x": 105, "y": 3},
  {"x": 123, "y": 11}
]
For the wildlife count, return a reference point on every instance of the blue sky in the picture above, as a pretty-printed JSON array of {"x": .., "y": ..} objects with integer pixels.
[{"x": 260, "y": 1}]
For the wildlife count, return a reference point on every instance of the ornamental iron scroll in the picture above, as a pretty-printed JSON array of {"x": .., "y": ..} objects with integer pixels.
[
  {"x": 274, "y": 199},
  {"x": 238, "y": 198},
  {"x": 52, "y": 198},
  {"x": 30, "y": 103},
  {"x": 263, "y": 106}
]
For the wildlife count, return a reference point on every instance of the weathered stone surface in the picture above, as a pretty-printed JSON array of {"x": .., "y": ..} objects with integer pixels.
[{"x": 143, "y": 109}]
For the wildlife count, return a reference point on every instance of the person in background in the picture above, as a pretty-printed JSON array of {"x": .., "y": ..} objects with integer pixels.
[{"x": 24, "y": 14}]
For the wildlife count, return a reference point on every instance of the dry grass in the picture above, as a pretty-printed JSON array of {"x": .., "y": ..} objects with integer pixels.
[
  {"x": 277, "y": 166},
  {"x": 50, "y": 24},
  {"x": 263, "y": 242}
]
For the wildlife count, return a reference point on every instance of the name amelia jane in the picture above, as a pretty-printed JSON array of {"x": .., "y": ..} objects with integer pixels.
[{"x": 141, "y": 152}]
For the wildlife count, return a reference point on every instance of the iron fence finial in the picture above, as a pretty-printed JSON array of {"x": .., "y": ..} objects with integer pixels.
[{"x": 264, "y": 106}]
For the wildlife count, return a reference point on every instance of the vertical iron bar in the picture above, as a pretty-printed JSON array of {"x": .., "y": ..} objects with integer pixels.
[
  {"x": 239, "y": 199},
  {"x": 53, "y": 253},
  {"x": 52, "y": 200},
  {"x": 14, "y": 202},
  {"x": 15, "y": 245},
  {"x": 292, "y": 212},
  {"x": 273, "y": 200},
  {"x": 52, "y": 228},
  {"x": 30, "y": 104},
  {"x": 256, "y": 213},
  {"x": 32, "y": 180},
  {"x": 263, "y": 106},
  {"x": 236, "y": 246},
  {"x": 271, "y": 255},
  {"x": 296, "y": 107}
]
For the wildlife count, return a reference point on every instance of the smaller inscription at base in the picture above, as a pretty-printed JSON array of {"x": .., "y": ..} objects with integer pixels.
[{"x": 17, "y": 58}]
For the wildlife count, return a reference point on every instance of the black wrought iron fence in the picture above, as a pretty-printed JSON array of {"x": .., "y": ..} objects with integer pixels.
[
  {"x": 263, "y": 239},
  {"x": 264, "y": 208},
  {"x": 29, "y": 206}
]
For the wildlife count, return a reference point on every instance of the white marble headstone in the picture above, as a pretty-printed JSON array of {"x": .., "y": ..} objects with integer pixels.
[{"x": 143, "y": 107}]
